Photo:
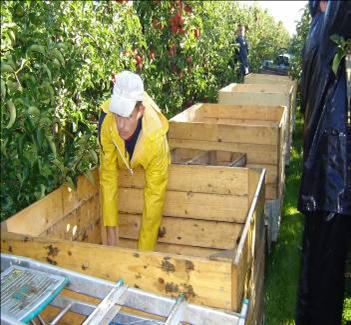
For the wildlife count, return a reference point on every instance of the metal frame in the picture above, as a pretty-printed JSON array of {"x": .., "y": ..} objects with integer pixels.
[{"x": 173, "y": 310}]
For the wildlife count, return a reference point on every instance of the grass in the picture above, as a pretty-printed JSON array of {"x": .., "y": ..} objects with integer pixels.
[{"x": 283, "y": 263}]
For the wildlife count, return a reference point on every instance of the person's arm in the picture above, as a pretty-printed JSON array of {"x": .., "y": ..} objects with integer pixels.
[
  {"x": 156, "y": 178},
  {"x": 108, "y": 178}
]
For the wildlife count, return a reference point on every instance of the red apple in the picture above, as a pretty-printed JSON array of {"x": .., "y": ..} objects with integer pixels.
[
  {"x": 188, "y": 9},
  {"x": 138, "y": 59},
  {"x": 197, "y": 33}
]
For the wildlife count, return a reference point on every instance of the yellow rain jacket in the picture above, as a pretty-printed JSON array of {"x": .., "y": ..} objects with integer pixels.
[{"x": 151, "y": 153}]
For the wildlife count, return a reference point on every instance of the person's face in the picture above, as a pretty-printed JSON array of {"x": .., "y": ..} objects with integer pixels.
[
  {"x": 323, "y": 5},
  {"x": 127, "y": 125},
  {"x": 242, "y": 31}
]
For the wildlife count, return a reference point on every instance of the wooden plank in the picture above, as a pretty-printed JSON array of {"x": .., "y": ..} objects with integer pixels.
[
  {"x": 255, "y": 289},
  {"x": 246, "y": 248},
  {"x": 264, "y": 99},
  {"x": 244, "y": 112},
  {"x": 184, "y": 155},
  {"x": 202, "y": 281},
  {"x": 85, "y": 188},
  {"x": 256, "y": 134},
  {"x": 82, "y": 224},
  {"x": 256, "y": 153},
  {"x": 43, "y": 214},
  {"x": 230, "y": 121},
  {"x": 272, "y": 172},
  {"x": 193, "y": 113},
  {"x": 198, "y": 179},
  {"x": 184, "y": 250},
  {"x": 272, "y": 192},
  {"x": 37, "y": 217},
  {"x": 199, "y": 233},
  {"x": 215, "y": 207},
  {"x": 261, "y": 88},
  {"x": 266, "y": 78},
  {"x": 70, "y": 318}
]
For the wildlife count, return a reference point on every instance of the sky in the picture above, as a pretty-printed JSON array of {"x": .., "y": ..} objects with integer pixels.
[{"x": 286, "y": 11}]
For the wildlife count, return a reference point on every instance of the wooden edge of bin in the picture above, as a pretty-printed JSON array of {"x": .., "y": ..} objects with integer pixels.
[
  {"x": 52, "y": 207},
  {"x": 202, "y": 281},
  {"x": 242, "y": 257}
]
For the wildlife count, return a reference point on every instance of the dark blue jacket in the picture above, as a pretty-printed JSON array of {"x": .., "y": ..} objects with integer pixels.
[
  {"x": 326, "y": 181},
  {"x": 243, "y": 51}
]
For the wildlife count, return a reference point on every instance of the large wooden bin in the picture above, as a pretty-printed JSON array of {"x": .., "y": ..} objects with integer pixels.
[
  {"x": 256, "y": 131},
  {"x": 280, "y": 94},
  {"x": 210, "y": 244},
  {"x": 261, "y": 78}
]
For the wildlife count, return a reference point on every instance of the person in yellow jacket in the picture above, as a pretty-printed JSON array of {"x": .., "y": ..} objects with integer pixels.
[{"x": 132, "y": 134}]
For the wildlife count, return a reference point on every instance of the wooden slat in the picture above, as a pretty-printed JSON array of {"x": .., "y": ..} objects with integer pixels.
[
  {"x": 230, "y": 121},
  {"x": 272, "y": 172},
  {"x": 258, "y": 78},
  {"x": 82, "y": 224},
  {"x": 256, "y": 134},
  {"x": 202, "y": 281},
  {"x": 264, "y": 99},
  {"x": 198, "y": 179},
  {"x": 37, "y": 217},
  {"x": 256, "y": 153},
  {"x": 272, "y": 192},
  {"x": 43, "y": 214},
  {"x": 216, "y": 207},
  {"x": 193, "y": 113},
  {"x": 199, "y": 233},
  {"x": 248, "y": 242},
  {"x": 261, "y": 88},
  {"x": 255, "y": 286},
  {"x": 184, "y": 250},
  {"x": 243, "y": 112}
]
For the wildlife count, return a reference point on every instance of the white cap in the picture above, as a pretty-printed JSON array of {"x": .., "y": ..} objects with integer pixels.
[{"x": 127, "y": 91}]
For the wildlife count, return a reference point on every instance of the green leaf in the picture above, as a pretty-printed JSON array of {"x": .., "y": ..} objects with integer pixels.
[
  {"x": 6, "y": 68},
  {"x": 40, "y": 137},
  {"x": 37, "y": 48},
  {"x": 47, "y": 71},
  {"x": 12, "y": 110},
  {"x": 336, "y": 38},
  {"x": 51, "y": 144},
  {"x": 94, "y": 156},
  {"x": 70, "y": 183},
  {"x": 33, "y": 110},
  {"x": 42, "y": 190},
  {"x": 336, "y": 61},
  {"x": 3, "y": 89}
]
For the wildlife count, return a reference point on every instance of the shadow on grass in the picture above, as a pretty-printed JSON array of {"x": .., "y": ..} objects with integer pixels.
[{"x": 284, "y": 261}]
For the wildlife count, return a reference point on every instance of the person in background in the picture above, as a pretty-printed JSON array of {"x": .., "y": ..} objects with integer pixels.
[
  {"x": 243, "y": 51},
  {"x": 133, "y": 134},
  {"x": 325, "y": 190}
]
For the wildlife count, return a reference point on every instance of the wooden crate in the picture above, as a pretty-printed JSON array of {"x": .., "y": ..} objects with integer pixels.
[
  {"x": 186, "y": 156},
  {"x": 208, "y": 241},
  {"x": 257, "y": 131},
  {"x": 280, "y": 94},
  {"x": 261, "y": 78}
]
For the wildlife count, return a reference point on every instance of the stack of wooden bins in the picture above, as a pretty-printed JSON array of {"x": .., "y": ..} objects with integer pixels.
[
  {"x": 257, "y": 131},
  {"x": 280, "y": 94},
  {"x": 211, "y": 243},
  {"x": 260, "y": 78}
]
